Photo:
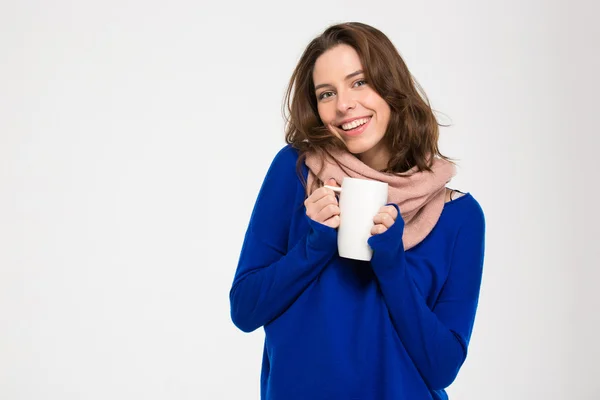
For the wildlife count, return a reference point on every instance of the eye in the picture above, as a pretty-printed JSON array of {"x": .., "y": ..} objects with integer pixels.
[
  {"x": 325, "y": 95},
  {"x": 360, "y": 82}
]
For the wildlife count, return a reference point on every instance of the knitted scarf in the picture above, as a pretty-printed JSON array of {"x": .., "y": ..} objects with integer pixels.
[{"x": 420, "y": 195}]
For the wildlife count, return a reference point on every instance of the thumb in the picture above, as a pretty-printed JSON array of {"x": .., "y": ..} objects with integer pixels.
[{"x": 332, "y": 182}]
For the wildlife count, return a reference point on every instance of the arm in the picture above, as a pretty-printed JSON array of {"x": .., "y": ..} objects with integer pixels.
[
  {"x": 437, "y": 339},
  {"x": 269, "y": 279}
]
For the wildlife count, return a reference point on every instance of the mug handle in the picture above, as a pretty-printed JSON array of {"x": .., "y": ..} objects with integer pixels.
[{"x": 334, "y": 188}]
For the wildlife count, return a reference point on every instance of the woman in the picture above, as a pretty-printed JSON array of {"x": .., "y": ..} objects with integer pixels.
[{"x": 396, "y": 327}]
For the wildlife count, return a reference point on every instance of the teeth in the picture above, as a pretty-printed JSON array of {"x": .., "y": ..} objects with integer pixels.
[{"x": 355, "y": 123}]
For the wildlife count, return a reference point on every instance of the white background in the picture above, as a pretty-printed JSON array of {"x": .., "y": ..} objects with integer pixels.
[{"x": 134, "y": 136}]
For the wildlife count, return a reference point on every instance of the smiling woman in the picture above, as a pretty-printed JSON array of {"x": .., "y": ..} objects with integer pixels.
[
  {"x": 398, "y": 325},
  {"x": 350, "y": 108},
  {"x": 354, "y": 71}
]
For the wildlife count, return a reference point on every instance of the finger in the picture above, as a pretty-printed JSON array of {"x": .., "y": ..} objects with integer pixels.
[
  {"x": 333, "y": 222},
  {"x": 327, "y": 212},
  {"x": 315, "y": 197},
  {"x": 378, "y": 229},
  {"x": 325, "y": 201},
  {"x": 320, "y": 199},
  {"x": 390, "y": 210},
  {"x": 384, "y": 219},
  {"x": 332, "y": 185},
  {"x": 320, "y": 193},
  {"x": 332, "y": 182},
  {"x": 314, "y": 208}
]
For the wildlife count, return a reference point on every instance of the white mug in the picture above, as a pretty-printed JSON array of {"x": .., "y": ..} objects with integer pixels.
[{"x": 360, "y": 201}]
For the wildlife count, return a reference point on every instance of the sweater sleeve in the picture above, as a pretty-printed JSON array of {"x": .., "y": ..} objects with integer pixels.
[
  {"x": 436, "y": 339},
  {"x": 269, "y": 278}
]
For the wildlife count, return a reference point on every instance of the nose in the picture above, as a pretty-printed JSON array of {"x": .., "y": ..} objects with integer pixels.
[{"x": 345, "y": 102}]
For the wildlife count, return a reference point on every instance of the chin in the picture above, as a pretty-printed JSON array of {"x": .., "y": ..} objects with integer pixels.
[{"x": 358, "y": 148}]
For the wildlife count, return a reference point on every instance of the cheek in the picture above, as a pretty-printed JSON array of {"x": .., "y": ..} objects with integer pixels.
[
  {"x": 378, "y": 104},
  {"x": 327, "y": 116},
  {"x": 386, "y": 118},
  {"x": 384, "y": 112},
  {"x": 324, "y": 114}
]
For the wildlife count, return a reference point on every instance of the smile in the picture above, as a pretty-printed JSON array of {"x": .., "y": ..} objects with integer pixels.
[{"x": 355, "y": 127}]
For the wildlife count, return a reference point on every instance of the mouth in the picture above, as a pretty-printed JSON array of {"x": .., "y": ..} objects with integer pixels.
[{"x": 355, "y": 127}]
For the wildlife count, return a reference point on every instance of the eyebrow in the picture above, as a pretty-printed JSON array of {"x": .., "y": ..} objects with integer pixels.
[{"x": 352, "y": 75}]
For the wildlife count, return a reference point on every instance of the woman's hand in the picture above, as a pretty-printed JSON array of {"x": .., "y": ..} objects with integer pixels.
[
  {"x": 322, "y": 206},
  {"x": 384, "y": 219}
]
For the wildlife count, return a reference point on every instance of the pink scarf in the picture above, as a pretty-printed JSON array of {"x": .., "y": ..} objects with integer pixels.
[{"x": 419, "y": 195}]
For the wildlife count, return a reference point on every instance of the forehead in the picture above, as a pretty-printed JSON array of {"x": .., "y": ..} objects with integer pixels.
[{"x": 335, "y": 64}]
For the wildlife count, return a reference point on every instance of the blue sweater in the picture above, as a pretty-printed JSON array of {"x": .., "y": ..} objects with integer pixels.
[{"x": 396, "y": 327}]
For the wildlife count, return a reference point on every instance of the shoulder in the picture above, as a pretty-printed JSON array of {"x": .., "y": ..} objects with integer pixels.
[
  {"x": 284, "y": 164},
  {"x": 463, "y": 220},
  {"x": 466, "y": 211},
  {"x": 277, "y": 199},
  {"x": 286, "y": 156},
  {"x": 279, "y": 188},
  {"x": 282, "y": 177}
]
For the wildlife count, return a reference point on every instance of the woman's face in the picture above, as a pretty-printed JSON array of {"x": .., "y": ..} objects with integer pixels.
[{"x": 349, "y": 107}]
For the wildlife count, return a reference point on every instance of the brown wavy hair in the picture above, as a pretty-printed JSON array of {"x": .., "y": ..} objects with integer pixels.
[{"x": 412, "y": 133}]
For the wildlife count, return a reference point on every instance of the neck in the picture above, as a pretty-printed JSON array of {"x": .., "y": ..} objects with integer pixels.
[{"x": 375, "y": 158}]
